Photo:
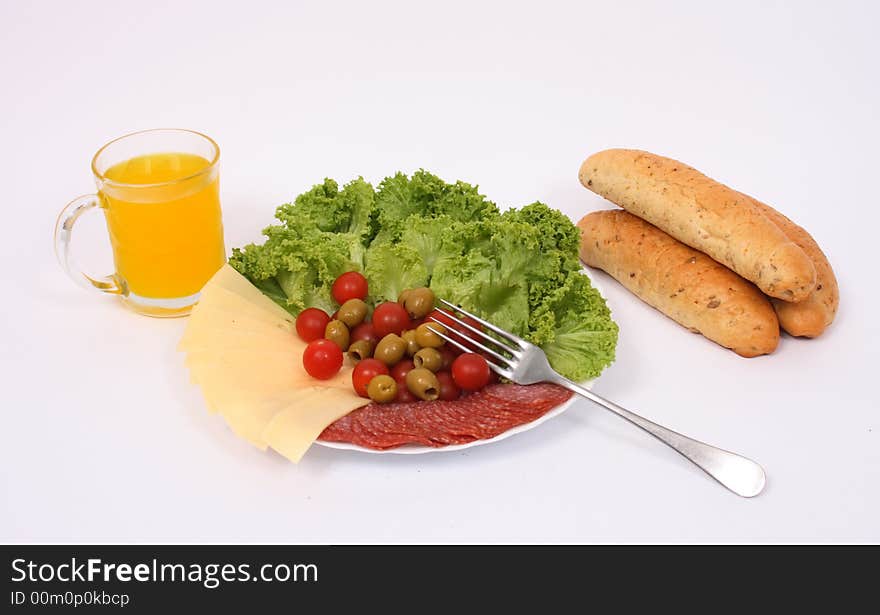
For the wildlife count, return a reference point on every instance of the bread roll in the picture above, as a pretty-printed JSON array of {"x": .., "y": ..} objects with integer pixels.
[
  {"x": 686, "y": 285},
  {"x": 705, "y": 215},
  {"x": 810, "y": 317}
]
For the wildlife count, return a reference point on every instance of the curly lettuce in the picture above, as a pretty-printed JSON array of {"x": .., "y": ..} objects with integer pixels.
[
  {"x": 391, "y": 269},
  {"x": 519, "y": 269},
  {"x": 574, "y": 328}
]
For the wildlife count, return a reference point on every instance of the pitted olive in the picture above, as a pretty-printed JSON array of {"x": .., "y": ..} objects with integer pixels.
[
  {"x": 427, "y": 338},
  {"x": 419, "y": 302},
  {"x": 390, "y": 349},
  {"x": 423, "y": 384},
  {"x": 337, "y": 332},
  {"x": 352, "y": 312}
]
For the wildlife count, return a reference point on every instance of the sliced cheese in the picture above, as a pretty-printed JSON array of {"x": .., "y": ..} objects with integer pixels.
[
  {"x": 226, "y": 374},
  {"x": 236, "y": 305},
  {"x": 234, "y": 358},
  {"x": 217, "y": 338},
  {"x": 292, "y": 429},
  {"x": 219, "y": 330},
  {"x": 218, "y": 298},
  {"x": 243, "y": 352},
  {"x": 231, "y": 280},
  {"x": 288, "y": 355},
  {"x": 234, "y": 390}
]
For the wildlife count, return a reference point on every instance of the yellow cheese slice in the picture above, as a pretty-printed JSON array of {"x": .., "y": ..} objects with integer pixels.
[
  {"x": 299, "y": 417},
  {"x": 225, "y": 373},
  {"x": 227, "y": 312},
  {"x": 287, "y": 355},
  {"x": 220, "y": 339},
  {"x": 234, "y": 358},
  {"x": 233, "y": 387},
  {"x": 218, "y": 298},
  {"x": 221, "y": 331},
  {"x": 231, "y": 280},
  {"x": 243, "y": 352}
]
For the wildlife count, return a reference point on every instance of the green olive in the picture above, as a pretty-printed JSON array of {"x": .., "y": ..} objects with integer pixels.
[
  {"x": 419, "y": 302},
  {"x": 429, "y": 358},
  {"x": 352, "y": 312},
  {"x": 360, "y": 350},
  {"x": 382, "y": 389},
  {"x": 401, "y": 298},
  {"x": 412, "y": 346},
  {"x": 337, "y": 332},
  {"x": 427, "y": 338},
  {"x": 423, "y": 384},
  {"x": 390, "y": 349}
]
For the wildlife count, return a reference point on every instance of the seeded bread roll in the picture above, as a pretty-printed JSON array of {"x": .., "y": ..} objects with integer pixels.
[
  {"x": 686, "y": 285},
  {"x": 810, "y": 317},
  {"x": 705, "y": 215}
]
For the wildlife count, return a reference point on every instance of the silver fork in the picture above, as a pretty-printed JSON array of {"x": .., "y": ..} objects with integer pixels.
[{"x": 524, "y": 363}]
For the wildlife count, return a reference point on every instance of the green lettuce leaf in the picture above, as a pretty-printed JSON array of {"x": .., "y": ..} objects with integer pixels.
[
  {"x": 392, "y": 268},
  {"x": 519, "y": 269},
  {"x": 574, "y": 328},
  {"x": 302, "y": 266}
]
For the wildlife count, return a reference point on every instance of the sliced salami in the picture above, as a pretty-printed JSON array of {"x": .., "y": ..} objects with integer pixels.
[{"x": 481, "y": 415}]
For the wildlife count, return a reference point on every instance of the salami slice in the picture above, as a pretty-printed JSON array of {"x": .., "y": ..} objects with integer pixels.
[{"x": 477, "y": 416}]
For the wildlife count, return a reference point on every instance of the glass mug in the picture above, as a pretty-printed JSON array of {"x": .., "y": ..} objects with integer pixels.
[{"x": 159, "y": 190}]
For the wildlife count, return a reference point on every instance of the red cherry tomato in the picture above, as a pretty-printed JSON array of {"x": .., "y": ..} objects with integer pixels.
[
  {"x": 443, "y": 318},
  {"x": 310, "y": 324},
  {"x": 322, "y": 359},
  {"x": 470, "y": 371},
  {"x": 390, "y": 317},
  {"x": 450, "y": 324},
  {"x": 448, "y": 389},
  {"x": 365, "y": 371},
  {"x": 448, "y": 353},
  {"x": 365, "y": 331},
  {"x": 468, "y": 332},
  {"x": 399, "y": 371},
  {"x": 351, "y": 285},
  {"x": 404, "y": 395}
]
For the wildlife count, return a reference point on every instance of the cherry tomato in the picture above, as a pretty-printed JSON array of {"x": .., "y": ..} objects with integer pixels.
[
  {"x": 450, "y": 324},
  {"x": 468, "y": 332},
  {"x": 443, "y": 318},
  {"x": 310, "y": 324},
  {"x": 404, "y": 395},
  {"x": 390, "y": 317},
  {"x": 351, "y": 285},
  {"x": 470, "y": 371},
  {"x": 364, "y": 371},
  {"x": 399, "y": 371},
  {"x": 322, "y": 359},
  {"x": 365, "y": 331},
  {"x": 448, "y": 352},
  {"x": 448, "y": 389}
]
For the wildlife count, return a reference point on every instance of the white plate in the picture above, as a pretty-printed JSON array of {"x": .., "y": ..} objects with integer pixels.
[{"x": 418, "y": 449}]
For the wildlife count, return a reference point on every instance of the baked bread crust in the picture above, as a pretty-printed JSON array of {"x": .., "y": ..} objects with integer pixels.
[
  {"x": 703, "y": 214},
  {"x": 685, "y": 284},
  {"x": 810, "y": 317}
]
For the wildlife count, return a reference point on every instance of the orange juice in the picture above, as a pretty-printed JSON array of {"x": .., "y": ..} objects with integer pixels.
[{"x": 163, "y": 215}]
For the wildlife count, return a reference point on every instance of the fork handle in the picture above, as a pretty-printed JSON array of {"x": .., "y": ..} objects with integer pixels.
[{"x": 741, "y": 475}]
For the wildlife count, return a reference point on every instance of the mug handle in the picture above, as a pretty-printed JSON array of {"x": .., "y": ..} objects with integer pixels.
[{"x": 63, "y": 230}]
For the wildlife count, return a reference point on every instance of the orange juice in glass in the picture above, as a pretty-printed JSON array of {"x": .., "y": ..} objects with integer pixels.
[{"x": 159, "y": 192}]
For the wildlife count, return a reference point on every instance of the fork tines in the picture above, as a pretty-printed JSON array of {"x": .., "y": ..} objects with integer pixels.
[{"x": 479, "y": 339}]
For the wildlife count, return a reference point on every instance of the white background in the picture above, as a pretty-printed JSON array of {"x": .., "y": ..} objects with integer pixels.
[{"x": 103, "y": 439}]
